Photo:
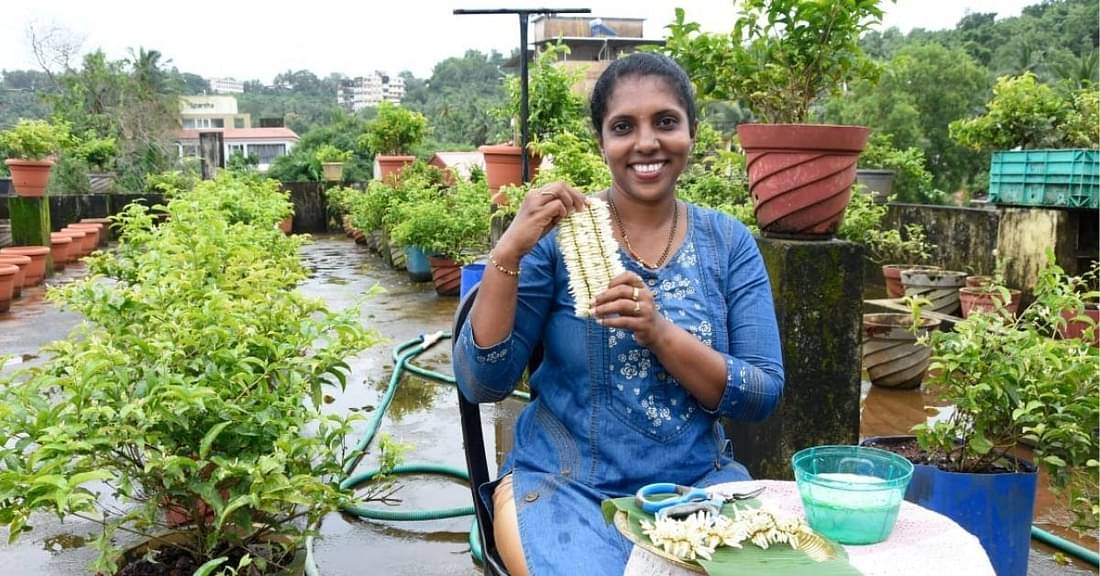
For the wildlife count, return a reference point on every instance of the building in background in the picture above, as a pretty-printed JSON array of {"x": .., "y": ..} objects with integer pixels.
[
  {"x": 266, "y": 144},
  {"x": 226, "y": 85},
  {"x": 202, "y": 112},
  {"x": 593, "y": 42},
  {"x": 370, "y": 90}
]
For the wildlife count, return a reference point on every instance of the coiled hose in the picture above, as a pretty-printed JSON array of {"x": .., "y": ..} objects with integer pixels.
[{"x": 402, "y": 354}]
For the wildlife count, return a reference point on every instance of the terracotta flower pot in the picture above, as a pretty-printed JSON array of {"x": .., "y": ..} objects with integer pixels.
[
  {"x": 391, "y": 166},
  {"x": 1076, "y": 328},
  {"x": 29, "y": 177},
  {"x": 95, "y": 229},
  {"x": 891, "y": 355},
  {"x": 36, "y": 271},
  {"x": 978, "y": 281},
  {"x": 974, "y": 299},
  {"x": 107, "y": 229},
  {"x": 60, "y": 245},
  {"x": 446, "y": 275},
  {"x": 333, "y": 171},
  {"x": 24, "y": 263},
  {"x": 800, "y": 175},
  {"x": 941, "y": 287},
  {"x": 7, "y": 285},
  {"x": 504, "y": 168},
  {"x": 892, "y": 274},
  {"x": 85, "y": 240},
  {"x": 286, "y": 225}
]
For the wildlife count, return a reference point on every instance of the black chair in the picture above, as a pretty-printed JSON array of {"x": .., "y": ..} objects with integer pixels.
[{"x": 474, "y": 443}]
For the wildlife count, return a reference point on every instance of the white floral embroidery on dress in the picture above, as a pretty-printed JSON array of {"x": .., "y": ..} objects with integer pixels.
[
  {"x": 493, "y": 357},
  {"x": 614, "y": 336},
  {"x": 687, "y": 255},
  {"x": 678, "y": 287},
  {"x": 657, "y": 415},
  {"x": 703, "y": 331}
]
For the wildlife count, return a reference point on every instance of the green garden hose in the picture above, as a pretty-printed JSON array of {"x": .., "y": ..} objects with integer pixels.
[
  {"x": 402, "y": 354},
  {"x": 1066, "y": 546}
]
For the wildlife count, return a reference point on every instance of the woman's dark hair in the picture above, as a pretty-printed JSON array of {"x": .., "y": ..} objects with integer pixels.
[{"x": 642, "y": 64}]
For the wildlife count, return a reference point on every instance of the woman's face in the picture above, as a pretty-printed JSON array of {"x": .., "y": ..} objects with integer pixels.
[{"x": 645, "y": 138}]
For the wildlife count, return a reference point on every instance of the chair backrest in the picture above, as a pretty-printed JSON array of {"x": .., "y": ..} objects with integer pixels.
[{"x": 474, "y": 443}]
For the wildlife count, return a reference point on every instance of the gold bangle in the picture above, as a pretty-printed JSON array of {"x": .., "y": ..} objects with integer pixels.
[{"x": 507, "y": 271}]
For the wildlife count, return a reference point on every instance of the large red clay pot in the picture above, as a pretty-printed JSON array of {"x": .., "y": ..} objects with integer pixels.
[
  {"x": 106, "y": 233},
  {"x": 60, "y": 248},
  {"x": 504, "y": 168},
  {"x": 1076, "y": 328},
  {"x": 7, "y": 285},
  {"x": 446, "y": 275},
  {"x": 23, "y": 262},
  {"x": 84, "y": 240},
  {"x": 892, "y": 274},
  {"x": 800, "y": 175},
  {"x": 391, "y": 166},
  {"x": 29, "y": 177},
  {"x": 96, "y": 231},
  {"x": 973, "y": 299},
  {"x": 36, "y": 271}
]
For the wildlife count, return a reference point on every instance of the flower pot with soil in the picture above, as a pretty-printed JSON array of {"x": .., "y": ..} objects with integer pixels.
[
  {"x": 392, "y": 134},
  {"x": 979, "y": 281},
  {"x": 167, "y": 554},
  {"x": 391, "y": 166},
  {"x": 939, "y": 287},
  {"x": 982, "y": 299},
  {"x": 60, "y": 246},
  {"x": 892, "y": 274},
  {"x": 503, "y": 168},
  {"x": 891, "y": 355},
  {"x": 446, "y": 275},
  {"x": 36, "y": 271},
  {"x": 1080, "y": 323},
  {"x": 20, "y": 279},
  {"x": 332, "y": 161},
  {"x": 417, "y": 264},
  {"x": 107, "y": 227},
  {"x": 28, "y": 145}
]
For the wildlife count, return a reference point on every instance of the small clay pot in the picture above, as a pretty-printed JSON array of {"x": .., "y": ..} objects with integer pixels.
[
  {"x": 7, "y": 285},
  {"x": 36, "y": 272},
  {"x": 60, "y": 246},
  {"x": 20, "y": 280}
]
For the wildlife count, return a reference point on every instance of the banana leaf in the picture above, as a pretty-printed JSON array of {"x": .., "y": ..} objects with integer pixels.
[{"x": 777, "y": 560}]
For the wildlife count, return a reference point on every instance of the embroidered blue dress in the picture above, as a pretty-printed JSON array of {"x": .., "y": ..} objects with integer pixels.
[{"x": 608, "y": 418}]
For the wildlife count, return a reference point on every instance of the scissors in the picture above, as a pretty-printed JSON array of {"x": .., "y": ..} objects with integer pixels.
[{"x": 683, "y": 501}]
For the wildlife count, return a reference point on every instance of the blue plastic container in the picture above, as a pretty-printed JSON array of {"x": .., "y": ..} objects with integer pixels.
[
  {"x": 851, "y": 494},
  {"x": 471, "y": 275},
  {"x": 416, "y": 264}
]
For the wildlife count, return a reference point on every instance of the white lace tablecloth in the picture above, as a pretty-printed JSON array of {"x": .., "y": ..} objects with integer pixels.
[{"x": 923, "y": 542}]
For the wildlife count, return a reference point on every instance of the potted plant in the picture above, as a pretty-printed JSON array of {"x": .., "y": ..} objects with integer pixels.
[
  {"x": 332, "y": 161},
  {"x": 99, "y": 153},
  {"x": 451, "y": 226},
  {"x": 28, "y": 145},
  {"x": 553, "y": 108},
  {"x": 892, "y": 353},
  {"x": 893, "y": 174},
  {"x": 1043, "y": 140},
  {"x": 391, "y": 136},
  {"x": 192, "y": 385},
  {"x": 780, "y": 57},
  {"x": 1009, "y": 382},
  {"x": 895, "y": 251}
]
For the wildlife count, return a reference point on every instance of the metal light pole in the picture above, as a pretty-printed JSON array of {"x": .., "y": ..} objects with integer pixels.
[{"x": 523, "y": 14}]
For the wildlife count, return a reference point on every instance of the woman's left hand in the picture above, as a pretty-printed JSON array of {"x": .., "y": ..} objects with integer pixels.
[{"x": 628, "y": 303}]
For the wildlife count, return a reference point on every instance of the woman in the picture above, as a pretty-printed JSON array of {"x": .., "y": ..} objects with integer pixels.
[{"x": 632, "y": 396}]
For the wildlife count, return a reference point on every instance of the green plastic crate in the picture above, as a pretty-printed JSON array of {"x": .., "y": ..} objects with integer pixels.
[{"x": 1068, "y": 178}]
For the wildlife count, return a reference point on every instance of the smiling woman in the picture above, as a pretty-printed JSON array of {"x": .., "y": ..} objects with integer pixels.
[{"x": 630, "y": 393}]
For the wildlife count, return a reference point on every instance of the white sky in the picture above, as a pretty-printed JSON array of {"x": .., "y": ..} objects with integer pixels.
[{"x": 247, "y": 39}]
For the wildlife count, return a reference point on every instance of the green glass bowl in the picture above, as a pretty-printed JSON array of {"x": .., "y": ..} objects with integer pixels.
[{"x": 851, "y": 494}]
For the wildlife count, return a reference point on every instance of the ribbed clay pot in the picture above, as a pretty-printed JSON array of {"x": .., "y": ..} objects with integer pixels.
[
  {"x": 24, "y": 263},
  {"x": 973, "y": 299},
  {"x": 7, "y": 285},
  {"x": 940, "y": 287},
  {"x": 801, "y": 175},
  {"x": 108, "y": 232},
  {"x": 36, "y": 272},
  {"x": 60, "y": 245},
  {"x": 503, "y": 167},
  {"x": 391, "y": 166},
  {"x": 892, "y": 274},
  {"x": 446, "y": 275},
  {"x": 29, "y": 177},
  {"x": 891, "y": 355}
]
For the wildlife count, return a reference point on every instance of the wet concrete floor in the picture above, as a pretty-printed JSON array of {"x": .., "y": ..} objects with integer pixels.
[{"x": 424, "y": 414}]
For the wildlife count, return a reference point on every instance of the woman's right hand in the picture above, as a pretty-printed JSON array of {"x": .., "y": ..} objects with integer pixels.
[{"x": 540, "y": 211}]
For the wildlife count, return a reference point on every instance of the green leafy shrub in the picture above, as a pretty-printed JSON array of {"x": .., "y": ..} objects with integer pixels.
[
  {"x": 1010, "y": 381},
  {"x": 196, "y": 382},
  {"x": 170, "y": 182},
  {"x": 1025, "y": 113},
  {"x": 576, "y": 160},
  {"x": 377, "y": 208},
  {"x": 330, "y": 153},
  {"x": 552, "y": 107},
  {"x": 453, "y": 221},
  {"x": 34, "y": 139},
  {"x": 395, "y": 130},
  {"x": 780, "y": 56},
  {"x": 912, "y": 180},
  {"x": 99, "y": 153}
]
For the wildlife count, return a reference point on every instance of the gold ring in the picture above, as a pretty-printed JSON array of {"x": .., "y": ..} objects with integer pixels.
[
  {"x": 637, "y": 307},
  {"x": 547, "y": 193},
  {"x": 634, "y": 296}
]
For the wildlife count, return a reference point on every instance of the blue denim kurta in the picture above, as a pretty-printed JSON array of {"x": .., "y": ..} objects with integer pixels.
[{"x": 608, "y": 418}]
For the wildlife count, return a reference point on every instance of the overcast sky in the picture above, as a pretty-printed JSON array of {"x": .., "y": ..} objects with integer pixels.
[{"x": 256, "y": 40}]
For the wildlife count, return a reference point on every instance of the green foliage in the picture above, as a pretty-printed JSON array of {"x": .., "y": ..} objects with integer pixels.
[
  {"x": 34, "y": 139},
  {"x": 395, "y": 130},
  {"x": 1010, "y": 381},
  {"x": 552, "y": 106},
  {"x": 69, "y": 176},
  {"x": 195, "y": 381},
  {"x": 576, "y": 161},
  {"x": 780, "y": 56},
  {"x": 330, "y": 153},
  {"x": 378, "y": 207},
  {"x": 1025, "y": 113},
  {"x": 240, "y": 163},
  {"x": 344, "y": 132},
  {"x": 912, "y": 181},
  {"x": 170, "y": 182},
  {"x": 452, "y": 221},
  {"x": 460, "y": 98},
  {"x": 98, "y": 152}
]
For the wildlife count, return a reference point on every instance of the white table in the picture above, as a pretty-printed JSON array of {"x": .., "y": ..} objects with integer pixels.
[{"x": 923, "y": 542}]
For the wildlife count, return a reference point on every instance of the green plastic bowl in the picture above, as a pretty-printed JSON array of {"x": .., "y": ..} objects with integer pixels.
[{"x": 851, "y": 494}]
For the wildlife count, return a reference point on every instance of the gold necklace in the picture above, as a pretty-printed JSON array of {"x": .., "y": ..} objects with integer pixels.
[{"x": 626, "y": 239}]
